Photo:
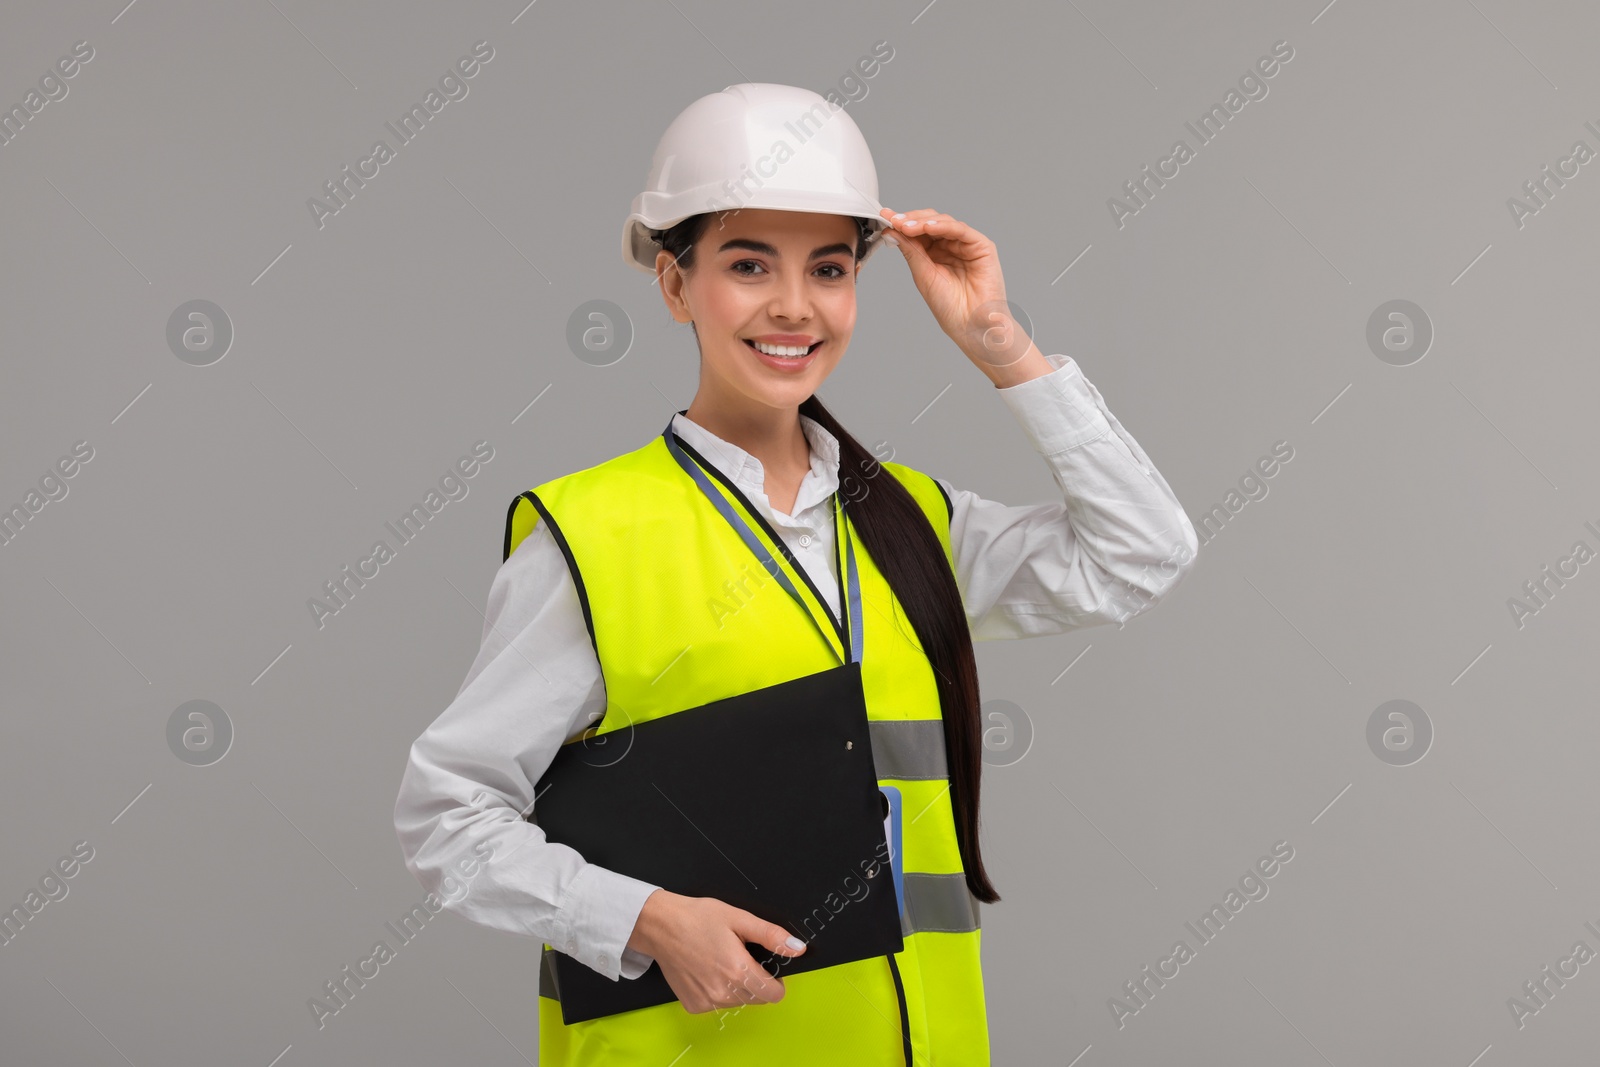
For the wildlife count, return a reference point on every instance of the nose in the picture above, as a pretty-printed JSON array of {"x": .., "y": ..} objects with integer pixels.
[{"x": 791, "y": 299}]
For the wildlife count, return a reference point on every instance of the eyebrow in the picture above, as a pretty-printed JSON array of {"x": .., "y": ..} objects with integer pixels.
[{"x": 768, "y": 250}]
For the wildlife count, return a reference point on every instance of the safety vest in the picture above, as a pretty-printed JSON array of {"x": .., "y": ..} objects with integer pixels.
[{"x": 680, "y": 614}]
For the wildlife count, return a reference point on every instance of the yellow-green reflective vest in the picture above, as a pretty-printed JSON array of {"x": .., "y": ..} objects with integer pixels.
[{"x": 681, "y": 614}]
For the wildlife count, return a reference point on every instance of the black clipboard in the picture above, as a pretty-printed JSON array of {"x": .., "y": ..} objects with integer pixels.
[{"x": 767, "y": 800}]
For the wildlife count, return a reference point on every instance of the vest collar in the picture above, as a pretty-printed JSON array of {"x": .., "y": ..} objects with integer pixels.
[{"x": 745, "y": 470}]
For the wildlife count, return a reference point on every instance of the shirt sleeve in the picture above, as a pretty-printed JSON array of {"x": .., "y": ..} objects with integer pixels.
[
  {"x": 1117, "y": 541},
  {"x": 470, "y": 776}
]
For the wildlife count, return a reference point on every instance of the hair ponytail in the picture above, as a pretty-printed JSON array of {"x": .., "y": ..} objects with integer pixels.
[
  {"x": 903, "y": 545},
  {"x": 905, "y": 549}
]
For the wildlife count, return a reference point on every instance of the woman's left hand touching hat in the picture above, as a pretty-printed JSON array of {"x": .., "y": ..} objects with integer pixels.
[{"x": 957, "y": 271}]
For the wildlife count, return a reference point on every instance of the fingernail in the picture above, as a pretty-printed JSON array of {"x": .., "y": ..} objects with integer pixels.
[
  {"x": 795, "y": 943},
  {"x": 900, "y": 215}
]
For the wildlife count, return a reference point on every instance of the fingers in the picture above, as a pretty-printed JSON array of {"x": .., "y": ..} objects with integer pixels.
[
  {"x": 730, "y": 985},
  {"x": 710, "y": 959},
  {"x": 935, "y": 225},
  {"x": 912, "y": 223},
  {"x": 901, "y": 223},
  {"x": 754, "y": 986},
  {"x": 754, "y": 928}
]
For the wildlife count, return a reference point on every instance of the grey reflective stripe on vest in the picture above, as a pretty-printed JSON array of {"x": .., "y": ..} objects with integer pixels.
[
  {"x": 938, "y": 903},
  {"x": 908, "y": 749},
  {"x": 934, "y": 903}
]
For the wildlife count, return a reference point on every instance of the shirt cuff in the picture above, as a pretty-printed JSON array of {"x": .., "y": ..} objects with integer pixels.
[
  {"x": 1057, "y": 411},
  {"x": 596, "y": 918},
  {"x": 635, "y": 963}
]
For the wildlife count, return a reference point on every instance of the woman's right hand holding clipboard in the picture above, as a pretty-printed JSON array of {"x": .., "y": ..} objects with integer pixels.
[{"x": 699, "y": 943}]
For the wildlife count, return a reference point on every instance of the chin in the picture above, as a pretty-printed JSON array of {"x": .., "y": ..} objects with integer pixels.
[{"x": 786, "y": 394}]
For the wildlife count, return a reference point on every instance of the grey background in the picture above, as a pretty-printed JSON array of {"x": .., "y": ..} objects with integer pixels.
[{"x": 1229, "y": 314}]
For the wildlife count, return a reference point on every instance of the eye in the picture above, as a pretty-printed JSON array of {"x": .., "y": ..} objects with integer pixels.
[
  {"x": 735, "y": 267},
  {"x": 834, "y": 266}
]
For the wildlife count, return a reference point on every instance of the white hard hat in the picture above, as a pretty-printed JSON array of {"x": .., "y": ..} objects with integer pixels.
[{"x": 755, "y": 145}]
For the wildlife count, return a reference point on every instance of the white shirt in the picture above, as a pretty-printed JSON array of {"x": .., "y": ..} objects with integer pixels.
[{"x": 1117, "y": 540}]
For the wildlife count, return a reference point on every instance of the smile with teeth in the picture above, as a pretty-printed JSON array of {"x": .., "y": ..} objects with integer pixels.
[{"x": 782, "y": 351}]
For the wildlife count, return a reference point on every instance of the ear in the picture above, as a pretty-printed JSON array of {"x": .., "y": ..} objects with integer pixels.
[{"x": 670, "y": 279}]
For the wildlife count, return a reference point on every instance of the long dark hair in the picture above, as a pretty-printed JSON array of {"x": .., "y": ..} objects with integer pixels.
[{"x": 906, "y": 550}]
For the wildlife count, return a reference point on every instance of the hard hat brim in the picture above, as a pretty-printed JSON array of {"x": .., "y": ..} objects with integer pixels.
[{"x": 639, "y": 249}]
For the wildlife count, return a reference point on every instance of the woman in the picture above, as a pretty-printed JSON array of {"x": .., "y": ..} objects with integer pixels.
[{"x": 595, "y": 620}]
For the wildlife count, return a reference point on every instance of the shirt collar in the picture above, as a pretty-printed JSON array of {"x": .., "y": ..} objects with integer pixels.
[{"x": 745, "y": 470}]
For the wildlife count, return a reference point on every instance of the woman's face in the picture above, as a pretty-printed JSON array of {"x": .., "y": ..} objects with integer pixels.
[{"x": 781, "y": 277}]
